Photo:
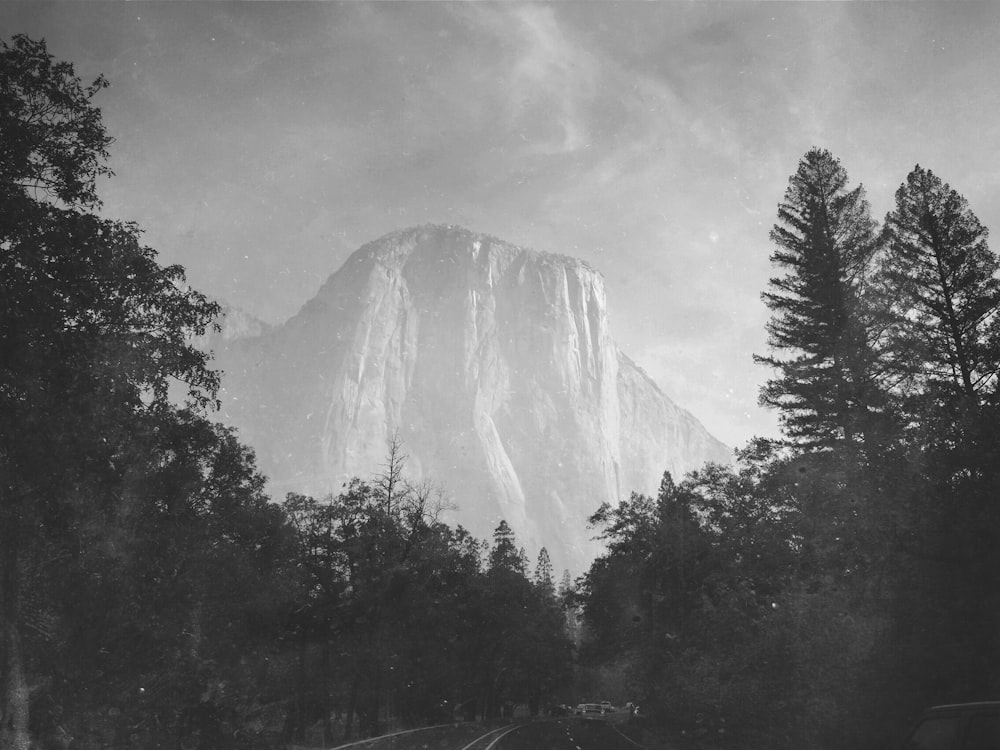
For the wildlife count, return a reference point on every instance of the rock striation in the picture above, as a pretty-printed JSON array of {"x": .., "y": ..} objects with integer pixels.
[{"x": 492, "y": 363}]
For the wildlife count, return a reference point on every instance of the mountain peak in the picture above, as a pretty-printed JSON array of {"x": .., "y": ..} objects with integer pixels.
[
  {"x": 438, "y": 241},
  {"x": 495, "y": 366}
]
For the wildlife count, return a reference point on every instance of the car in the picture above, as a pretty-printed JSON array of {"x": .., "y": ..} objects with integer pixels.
[
  {"x": 589, "y": 708},
  {"x": 957, "y": 726},
  {"x": 560, "y": 709}
]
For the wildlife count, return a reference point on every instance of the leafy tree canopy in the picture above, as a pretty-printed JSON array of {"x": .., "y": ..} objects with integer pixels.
[{"x": 52, "y": 139}]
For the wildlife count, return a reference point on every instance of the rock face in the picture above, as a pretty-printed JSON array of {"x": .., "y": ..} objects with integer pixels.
[{"x": 494, "y": 366}]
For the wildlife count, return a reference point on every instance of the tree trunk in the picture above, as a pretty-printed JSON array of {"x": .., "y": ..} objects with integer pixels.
[
  {"x": 327, "y": 692},
  {"x": 372, "y": 724},
  {"x": 300, "y": 692},
  {"x": 351, "y": 708},
  {"x": 14, "y": 693}
]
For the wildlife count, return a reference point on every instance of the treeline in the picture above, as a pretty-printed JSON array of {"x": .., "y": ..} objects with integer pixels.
[
  {"x": 150, "y": 593},
  {"x": 403, "y": 616},
  {"x": 836, "y": 581}
]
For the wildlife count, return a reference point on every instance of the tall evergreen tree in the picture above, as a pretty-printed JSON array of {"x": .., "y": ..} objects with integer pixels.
[
  {"x": 543, "y": 574},
  {"x": 565, "y": 584},
  {"x": 944, "y": 345},
  {"x": 826, "y": 387},
  {"x": 505, "y": 555},
  {"x": 943, "y": 276}
]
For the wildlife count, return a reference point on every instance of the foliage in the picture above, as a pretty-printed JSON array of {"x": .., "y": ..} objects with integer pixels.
[
  {"x": 945, "y": 314},
  {"x": 52, "y": 139},
  {"x": 92, "y": 333},
  {"x": 828, "y": 380},
  {"x": 166, "y": 619},
  {"x": 683, "y": 604},
  {"x": 543, "y": 574},
  {"x": 836, "y": 582},
  {"x": 402, "y": 608}
]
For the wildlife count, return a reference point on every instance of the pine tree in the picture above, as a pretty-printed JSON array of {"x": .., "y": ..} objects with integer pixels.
[
  {"x": 826, "y": 388},
  {"x": 543, "y": 575},
  {"x": 943, "y": 276},
  {"x": 566, "y": 584},
  {"x": 505, "y": 555}
]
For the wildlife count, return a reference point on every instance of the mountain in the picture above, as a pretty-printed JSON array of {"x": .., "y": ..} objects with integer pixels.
[{"x": 494, "y": 366}]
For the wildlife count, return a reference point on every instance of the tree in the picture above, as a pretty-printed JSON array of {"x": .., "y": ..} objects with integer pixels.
[
  {"x": 943, "y": 276},
  {"x": 543, "y": 574},
  {"x": 635, "y": 597},
  {"x": 172, "y": 605},
  {"x": 568, "y": 600},
  {"x": 506, "y": 556},
  {"x": 52, "y": 139},
  {"x": 827, "y": 385},
  {"x": 711, "y": 602},
  {"x": 92, "y": 334},
  {"x": 946, "y": 356},
  {"x": 384, "y": 580},
  {"x": 528, "y": 650}
]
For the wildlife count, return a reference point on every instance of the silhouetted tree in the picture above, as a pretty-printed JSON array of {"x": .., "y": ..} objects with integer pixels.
[
  {"x": 943, "y": 277},
  {"x": 543, "y": 574},
  {"x": 172, "y": 605},
  {"x": 827, "y": 383},
  {"x": 52, "y": 138},
  {"x": 505, "y": 555},
  {"x": 92, "y": 333}
]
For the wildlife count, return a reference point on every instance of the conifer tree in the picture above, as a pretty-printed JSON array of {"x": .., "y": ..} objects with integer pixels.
[
  {"x": 543, "y": 574},
  {"x": 565, "y": 584},
  {"x": 943, "y": 276},
  {"x": 505, "y": 555},
  {"x": 820, "y": 329}
]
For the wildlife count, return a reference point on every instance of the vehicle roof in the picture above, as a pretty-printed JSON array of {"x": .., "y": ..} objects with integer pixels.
[{"x": 965, "y": 706}]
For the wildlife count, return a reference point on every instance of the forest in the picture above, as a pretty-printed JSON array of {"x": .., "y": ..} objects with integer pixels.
[
  {"x": 836, "y": 581},
  {"x": 817, "y": 593}
]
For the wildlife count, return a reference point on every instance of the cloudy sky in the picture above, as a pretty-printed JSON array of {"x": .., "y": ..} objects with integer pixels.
[{"x": 259, "y": 144}]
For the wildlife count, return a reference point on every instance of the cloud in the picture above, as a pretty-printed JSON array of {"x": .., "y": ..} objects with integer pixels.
[
  {"x": 558, "y": 73},
  {"x": 547, "y": 80}
]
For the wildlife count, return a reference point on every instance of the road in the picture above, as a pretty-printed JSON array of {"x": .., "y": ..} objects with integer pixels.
[
  {"x": 565, "y": 734},
  {"x": 552, "y": 734}
]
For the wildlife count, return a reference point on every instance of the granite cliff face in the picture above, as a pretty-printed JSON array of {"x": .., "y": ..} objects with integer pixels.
[{"x": 494, "y": 366}]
